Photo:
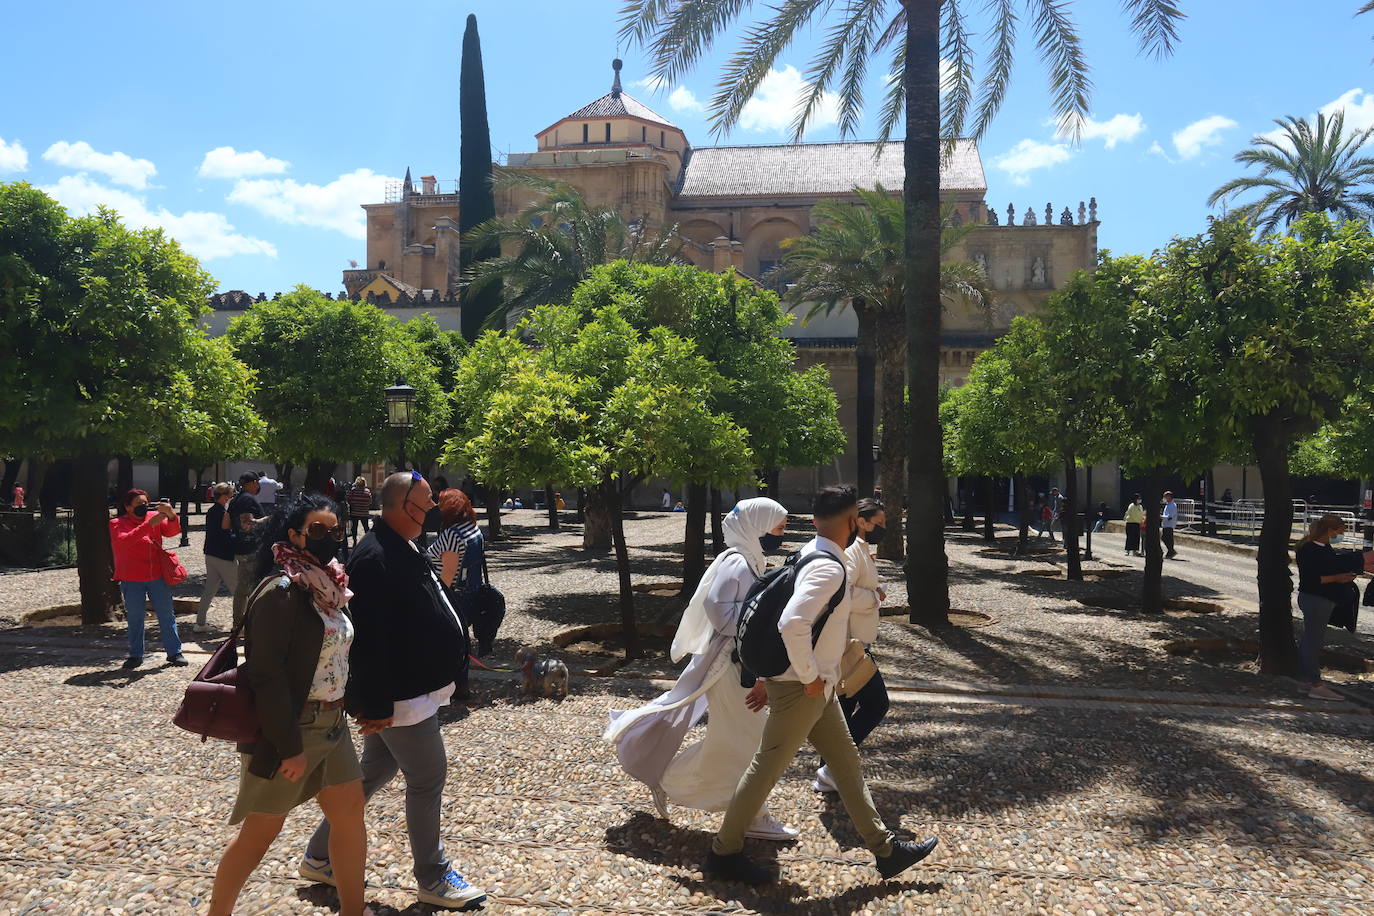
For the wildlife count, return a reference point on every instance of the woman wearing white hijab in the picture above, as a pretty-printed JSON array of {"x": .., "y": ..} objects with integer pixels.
[{"x": 648, "y": 740}]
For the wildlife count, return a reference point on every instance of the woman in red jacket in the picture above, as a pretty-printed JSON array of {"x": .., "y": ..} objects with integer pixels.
[{"x": 136, "y": 534}]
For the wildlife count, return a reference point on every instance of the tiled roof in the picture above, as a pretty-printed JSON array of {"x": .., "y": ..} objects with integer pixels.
[
  {"x": 803, "y": 169},
  {"x": 620, "y": 105}
]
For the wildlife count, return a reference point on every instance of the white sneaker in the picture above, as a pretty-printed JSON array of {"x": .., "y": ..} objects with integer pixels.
[
  {"x": 317, "y": 870},
  {"x": 823, "y": 781},
  {"x": 452, "y": 892},
  {"x": 765, "y": 827}
]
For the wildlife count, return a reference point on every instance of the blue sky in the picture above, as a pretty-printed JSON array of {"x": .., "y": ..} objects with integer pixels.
[{"x": 252, "y": 131}]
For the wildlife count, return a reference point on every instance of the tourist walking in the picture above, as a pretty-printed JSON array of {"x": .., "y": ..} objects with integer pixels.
[
  {"x": 267, "y": 491},
  {"x": 17, "y": 497},
  {"x": 666, "y": 500},
  {"x": 648, "y": 740},
  {"x": 1100, "y": 519},
  {"x": 1134, "y": 517},
  {"x": 864, "y": 710},
  {"x": 245, "y": 515},
  {"x": 136, "y": 537},
  {"x": 219, "y": 552},
  {"x": 1327, "y": 594},
  {"x": 1168, "y": 520},
  {"x": 1056, "y": 507},
  {"x": 359, "y": 507},
  {"x": 458, "y": 538},
  {"x": 802, "y": 707},
  {"x": 406, "y": 656},
  {"x": 296, "y": 649}
]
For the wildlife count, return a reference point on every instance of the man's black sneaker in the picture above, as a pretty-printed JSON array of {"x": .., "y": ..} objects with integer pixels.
[
  {"x": 736, "y": 867},
  {"x": 904, "y": 855},
  {"x": 131, "y": 663},
  {"x": 178, "y": 660}
]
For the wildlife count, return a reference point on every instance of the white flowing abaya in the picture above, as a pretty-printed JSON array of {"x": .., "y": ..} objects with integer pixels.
[{"x": 648, "y": 740}]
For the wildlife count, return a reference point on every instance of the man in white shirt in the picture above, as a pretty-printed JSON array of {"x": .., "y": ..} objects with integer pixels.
[
  {"x": 802, "y": 707},
  {"x": 267, "y": 492},
  {"x": 1168, "y": 520}
]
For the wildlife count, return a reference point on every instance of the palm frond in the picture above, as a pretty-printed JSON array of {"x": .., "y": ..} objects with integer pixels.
[
  {"x": 894, "y": 99},
  {"x": 1001, "y": 59},
  {"x": 957, "y": 87},
  {"x": 686, "y": 32},
  {"x": 753, "y": 61},
  {"x": 1061, "y": 50},
  {"x": 1155, "y": 23}
]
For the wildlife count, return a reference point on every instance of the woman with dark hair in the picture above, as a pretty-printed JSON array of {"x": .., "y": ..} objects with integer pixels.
[
  {"x": 866, "y": 708},
  {"x": 297, "y": 637},
  {"x": 136, "y": 536},
  {"x": 1327, "y": 594}
]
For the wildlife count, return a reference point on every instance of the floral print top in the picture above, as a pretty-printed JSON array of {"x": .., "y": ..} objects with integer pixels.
[{"x": 331, "y": 674}]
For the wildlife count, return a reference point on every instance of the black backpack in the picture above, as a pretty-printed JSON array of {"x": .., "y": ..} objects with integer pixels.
[
  {"x": 484, "y": 607},
  {"x": 758, "y": 643}
]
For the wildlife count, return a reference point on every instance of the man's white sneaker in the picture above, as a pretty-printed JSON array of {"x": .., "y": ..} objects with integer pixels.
[
  {"x": 765, "y": 827},
  {"x": 823, "y": 782},
  {"x": 317, "y": 870},
  {"x": 452, "y": 892}
]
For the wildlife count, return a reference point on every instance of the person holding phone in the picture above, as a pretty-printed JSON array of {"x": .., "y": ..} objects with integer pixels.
[{"x": 136, "y": 537}]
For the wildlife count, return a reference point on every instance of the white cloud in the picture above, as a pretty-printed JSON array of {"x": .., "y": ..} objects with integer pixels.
[
  {"x": 651, "y": 83},
  {"x": 774, "y": 105},
  {"x": 13, "y": 156},
  {"x": 1157, "y": 150},
  {"x": 1030, "y": 155},
  {"x": 682, "y": 99},
  {"x": 120, "y": 168},
  {"x": 227, "y": 162},
  {"x": 332, "y": 206},
  {"x": 1358, "y": 107},
  {"x": 205, "y": 235},
  {"x": 1189, "y": 141},
  {"x": 1121, "y": 128}
]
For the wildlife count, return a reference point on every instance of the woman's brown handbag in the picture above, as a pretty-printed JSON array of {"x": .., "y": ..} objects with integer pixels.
[
  {"x": 856, "y": 669},
  {"x": 219, "y": 702}
]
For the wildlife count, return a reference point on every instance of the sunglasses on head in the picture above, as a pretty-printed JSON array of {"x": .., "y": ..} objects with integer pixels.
[
  {"x": 317, "y": 531},
  {"x": 416, "y": 477}
]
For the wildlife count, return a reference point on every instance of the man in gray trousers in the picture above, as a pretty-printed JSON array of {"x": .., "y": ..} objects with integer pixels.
[{"x": 408, "y": 649}]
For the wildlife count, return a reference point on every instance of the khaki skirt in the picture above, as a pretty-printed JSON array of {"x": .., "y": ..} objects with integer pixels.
[{"x": 329, "y": 761}]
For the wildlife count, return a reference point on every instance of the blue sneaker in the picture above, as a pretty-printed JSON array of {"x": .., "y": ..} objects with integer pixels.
[
  {"x": 452, "y": 892},
  {"x": 317, "y": 870}
]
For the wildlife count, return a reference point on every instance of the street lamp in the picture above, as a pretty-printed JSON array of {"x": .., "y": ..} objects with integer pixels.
[{"x": 400, "y": 413}]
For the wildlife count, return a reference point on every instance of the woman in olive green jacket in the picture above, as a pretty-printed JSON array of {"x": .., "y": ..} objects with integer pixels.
[{"x": 298, "y": 634}]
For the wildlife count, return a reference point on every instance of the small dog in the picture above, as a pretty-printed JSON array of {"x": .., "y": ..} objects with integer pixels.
[{"x": 541, "y": 677}]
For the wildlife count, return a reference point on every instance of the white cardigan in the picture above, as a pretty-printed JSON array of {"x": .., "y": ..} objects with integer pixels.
[{"x": 863, "y": 592}]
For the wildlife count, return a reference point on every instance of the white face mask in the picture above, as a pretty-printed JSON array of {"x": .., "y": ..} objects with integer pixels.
[{"x": 1337, "y": 538}]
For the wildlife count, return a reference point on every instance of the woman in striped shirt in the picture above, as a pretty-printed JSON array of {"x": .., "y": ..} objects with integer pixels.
[
  {"x": 460, "y": 532},
  {"x": 359, "y": 500}
]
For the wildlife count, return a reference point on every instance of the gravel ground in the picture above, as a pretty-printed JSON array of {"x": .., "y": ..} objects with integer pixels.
[{"x": 1194, "y": 790}]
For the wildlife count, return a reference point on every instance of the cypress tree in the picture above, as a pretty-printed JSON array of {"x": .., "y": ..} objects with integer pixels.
[{"x": 476, "y": 203}]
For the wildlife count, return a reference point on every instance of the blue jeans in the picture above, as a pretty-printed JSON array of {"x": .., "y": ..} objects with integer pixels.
[{"x": 136, "y": 596}]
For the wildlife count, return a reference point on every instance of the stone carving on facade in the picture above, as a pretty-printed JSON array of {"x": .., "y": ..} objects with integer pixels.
[
  {"x": 1049, "y": 215},
  {"x": 981, "y": 259},
  {"x": 1082, "y": 213},
  {"x": 1029, "y": 219},
  {"x": 1066, "y": 218},
  {"x": 1092, "y": 209},
  {"x": 992, "y": 217},
  {"x": 1038, "y": 272}
]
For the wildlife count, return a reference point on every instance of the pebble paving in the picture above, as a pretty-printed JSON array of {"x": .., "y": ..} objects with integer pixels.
[{"x": 1225, "y": 796}]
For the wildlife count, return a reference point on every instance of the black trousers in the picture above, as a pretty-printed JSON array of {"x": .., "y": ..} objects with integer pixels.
[
  {"x": 865, "y": 709},
  {"x": 1167, "y": 536},
  {"x": 1132, "y": 536}
]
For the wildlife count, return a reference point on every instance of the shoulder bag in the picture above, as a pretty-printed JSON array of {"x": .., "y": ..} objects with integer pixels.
[
  {"x": 219, "y": 702},
  {"x": 856, "y": 669}
]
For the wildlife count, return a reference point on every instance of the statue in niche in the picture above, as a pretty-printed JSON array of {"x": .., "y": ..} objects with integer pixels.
[
  {"x": 981, "y": 260},
  {"x": 1011, "y": 215},
  {"x": 1038, "y": 271},
  {"x": 1030, "y": 217}
]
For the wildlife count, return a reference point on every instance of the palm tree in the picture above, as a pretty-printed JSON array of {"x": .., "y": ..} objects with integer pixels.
[
  {"x": 854, "y": 257},
  {"x": 912, "y": 36},
  {"x": 1305, "y": 171},
  {"x": 553, "y": 242}
]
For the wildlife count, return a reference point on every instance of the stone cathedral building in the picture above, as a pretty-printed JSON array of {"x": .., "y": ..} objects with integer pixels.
[{"x": 735, "y": 205}]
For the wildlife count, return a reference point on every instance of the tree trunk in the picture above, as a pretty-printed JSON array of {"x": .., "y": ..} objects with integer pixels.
[
  {"x": 966, "y": 495},
  {"x": 892, "y": 366},
  {"x": 124, "y": 477},
  {"x": 1022, "y": 515},
  {"x": 38, "y": 476},
  {"x": 989, "y": 510},
  {"x": 581, "y": 515},
  {"x": 1069, "y": 517},
  {"x": 1152, "y": 587},
  {"x": 597, "y": 527},
  {"x": 927, "y": 567},
  {"x": 865, "y": 359},
  {"x": 7, "y": 482},
  {"x": 628, "y": 627},
  {"x": 717, "y": 524},
  {"x": 316, "y": 472},
  {"x": 694, "y": 539},
  {"x": 1278, "y": 654},
  {"x": 553, "y": 509},
  {"x": 94, "y": 556}
]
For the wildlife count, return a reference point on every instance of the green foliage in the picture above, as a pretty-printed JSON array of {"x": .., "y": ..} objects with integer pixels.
[
  {"x": 578, "y": 400},
  {"x": 100, "y": 348},
  {"x": 476, "y": 200},
  {"x": 1306, "y": 171},
  {"x": 323, "y": 366}
]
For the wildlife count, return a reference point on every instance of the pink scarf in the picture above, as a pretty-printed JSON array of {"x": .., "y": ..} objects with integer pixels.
[{"x": 328, "y": 585}]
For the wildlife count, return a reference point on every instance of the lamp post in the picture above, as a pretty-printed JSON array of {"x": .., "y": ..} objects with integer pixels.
[{"x": 400, "y": 413}]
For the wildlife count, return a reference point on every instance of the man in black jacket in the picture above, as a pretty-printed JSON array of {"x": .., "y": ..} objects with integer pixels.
[{"x": 408, "y": 648}]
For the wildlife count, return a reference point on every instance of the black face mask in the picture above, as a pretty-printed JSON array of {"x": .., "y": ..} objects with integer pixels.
[
  {"x": 323, "y": 549},
  {"x": 770, "y": 541},
  {"x": 875, "y": 534},
  {"x": 143, "y": 510}
]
